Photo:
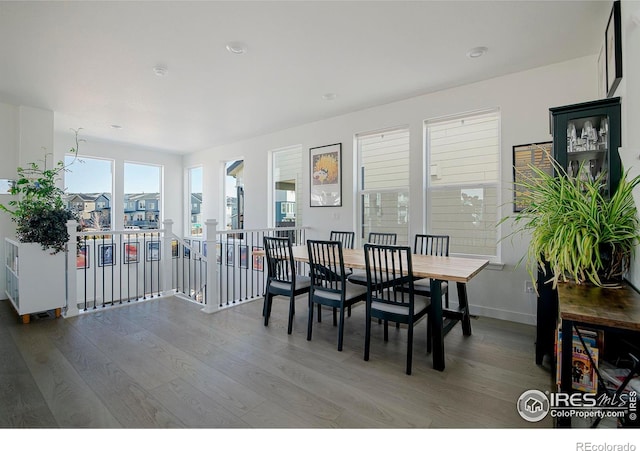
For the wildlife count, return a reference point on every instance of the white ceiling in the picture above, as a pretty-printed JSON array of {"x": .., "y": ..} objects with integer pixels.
[{"x": 92, "y": 62}]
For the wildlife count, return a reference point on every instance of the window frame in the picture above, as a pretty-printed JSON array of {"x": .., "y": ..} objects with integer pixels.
[
  {"x": 498, "y": 184},
  {"x": 361, "y": 191}
]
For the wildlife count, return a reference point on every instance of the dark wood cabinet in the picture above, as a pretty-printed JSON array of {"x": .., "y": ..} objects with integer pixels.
[{"x": 586, "y": 138}]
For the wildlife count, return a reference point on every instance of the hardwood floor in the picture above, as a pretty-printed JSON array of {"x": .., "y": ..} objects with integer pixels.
[{"x": 165, "y": 364}]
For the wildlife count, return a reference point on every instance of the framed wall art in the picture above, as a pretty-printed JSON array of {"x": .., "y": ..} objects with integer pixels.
[
  {"x": 244, "y": 250},
  {"x": 526, "y": 156},
  {"x": 258, "y": 261},
  {"x": 106, "y": 254},
  {"x": 231, "y": 254},
  {"x": 326, "y": 175},
  {"x": 613, "y": 45},
  {"x": 82, "y": 257},
  {"x": 153, "y": 251},
  {"x": 130, "y": 252}
]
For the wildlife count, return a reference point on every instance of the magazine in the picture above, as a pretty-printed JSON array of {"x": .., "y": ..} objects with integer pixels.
[{"x": 584, "y": 376}]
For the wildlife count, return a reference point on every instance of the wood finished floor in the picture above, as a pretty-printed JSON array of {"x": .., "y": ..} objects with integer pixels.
[{"x": 165, "y": 364}]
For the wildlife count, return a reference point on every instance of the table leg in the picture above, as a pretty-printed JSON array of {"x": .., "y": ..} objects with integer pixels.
[
  {"x": 463, "y": 307},
  {"x": 436, "y": 324},
  {"x": 566, "y": 362}
]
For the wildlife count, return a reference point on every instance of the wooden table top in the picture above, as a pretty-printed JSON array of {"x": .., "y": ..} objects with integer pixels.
[
  {"x": 456, "y": 269},
  {"x": 608, "y": 307}
]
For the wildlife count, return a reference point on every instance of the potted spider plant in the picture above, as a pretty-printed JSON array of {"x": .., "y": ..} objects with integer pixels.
[
  {"x": 579, "y": 232},
  {"x": 39, "y": 210}
]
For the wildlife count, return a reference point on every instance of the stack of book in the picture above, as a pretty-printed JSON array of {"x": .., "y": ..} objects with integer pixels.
[{"x": 585, "y": 358}]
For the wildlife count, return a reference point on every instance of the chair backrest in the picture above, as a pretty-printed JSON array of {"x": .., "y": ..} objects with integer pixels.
[
  {"x": 327, "y": 265},
  {"x": 280, "y": 264},
  {"x": 437, "y": 245},
  {"x": 388, "y": 239},
  {"x": 389, "y": 274},
  {"x": 346, "y": 238}
]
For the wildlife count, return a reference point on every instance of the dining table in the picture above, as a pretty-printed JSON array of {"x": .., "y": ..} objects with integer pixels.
[{"x": 438, "y": 269}]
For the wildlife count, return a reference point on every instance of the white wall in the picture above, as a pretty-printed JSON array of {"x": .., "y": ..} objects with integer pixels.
[
  {"x": 629, "y": 91},
  {"x": 8, "y": 162},
  {"x": 172, "y": 205},
  {"x": 524, "y": 100},
  {"x": 26, "y": 135}
]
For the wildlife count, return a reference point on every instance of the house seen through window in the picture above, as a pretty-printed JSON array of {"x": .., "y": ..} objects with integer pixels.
[
  {"x": 89, "y": 191},
  {"x": 287, "y": 185},
  {"x": 142, "y": 189},
  {"x": 463, "y": 168},
  {"x": 383, "y": 182}
]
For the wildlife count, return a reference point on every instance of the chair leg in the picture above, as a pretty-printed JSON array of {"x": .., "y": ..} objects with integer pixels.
[
  {"x": 429, "y": 337},
  {"x": 335, "y": 317},
  {"x": 319, "y": 313},
  {"x": 292, "y": 309},
  {"x": 409, "y": 346},
  {"x": 349, "y": 311},
  {"x": 341, "y": 330},
  {"x": 386, "y": 330},
  {"x": 310, "y": 322},
  {"x": 446, "y": 299},
  {"x": 267, "y": 308},
  {"x": 367, "y": 335}
]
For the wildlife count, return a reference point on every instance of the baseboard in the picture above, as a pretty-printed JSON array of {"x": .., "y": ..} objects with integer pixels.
[{"x": 506, "y": 315}]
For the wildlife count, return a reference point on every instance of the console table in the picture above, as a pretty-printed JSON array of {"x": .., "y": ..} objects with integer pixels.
[{"x": 610, "y": 309}]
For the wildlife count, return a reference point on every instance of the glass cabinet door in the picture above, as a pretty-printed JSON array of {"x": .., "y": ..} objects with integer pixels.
[{"x": 586, "y": 138}]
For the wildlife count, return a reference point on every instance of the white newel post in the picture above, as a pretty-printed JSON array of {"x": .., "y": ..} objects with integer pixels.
[
  {"x": 71, "y": 271},
  {"x": 167, "y": 225},
  {"x": 212, "y": 292}
]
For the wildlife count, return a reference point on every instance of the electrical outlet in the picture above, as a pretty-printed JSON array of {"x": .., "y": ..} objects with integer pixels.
[{"x": 528, "y": 287}]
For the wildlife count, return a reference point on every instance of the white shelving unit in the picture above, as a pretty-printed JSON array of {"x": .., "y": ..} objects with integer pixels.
[{"x": 35, "y": 279}]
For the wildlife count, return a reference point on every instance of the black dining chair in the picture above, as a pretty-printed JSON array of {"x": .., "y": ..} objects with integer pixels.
[
  {"x": 282, "y": 279},
  {"x": 360, "y": 277},
  {"x": 346, "y": 238},
  {"x": 389, "y": 268},
  {"x": 437, "y": 245},
  {"x": 388, "y": 239},
  {"x": 329, "y": 284}
]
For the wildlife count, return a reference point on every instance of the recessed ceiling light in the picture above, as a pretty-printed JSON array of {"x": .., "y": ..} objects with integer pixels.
[
  {"x": 160, "y": 71},
  {"x": 115, "y": 126},
  {"x": 329, "y": 96},
  {"x": 477, "y": 52},
  {"x": 237, "y": 48}
]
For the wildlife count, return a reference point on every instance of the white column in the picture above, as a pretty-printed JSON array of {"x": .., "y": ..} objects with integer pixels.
[
  {"x": 167, "y": 225},
  {"x": 212, "y": 293},
  {"x": 72, "y": 271}
]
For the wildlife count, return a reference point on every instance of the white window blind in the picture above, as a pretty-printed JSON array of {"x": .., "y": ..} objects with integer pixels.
[
  {"x": 384, "y": 183},
  {"x": 463, "y": 157}
]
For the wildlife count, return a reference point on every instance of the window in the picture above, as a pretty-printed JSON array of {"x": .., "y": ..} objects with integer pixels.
[
  {"x": 142, "y": 184},
  {"x": 234, "y": 195},
  {"x": 463, "y": 170},
  {"x": 384, "y": 183},
  {"x": 89, "y": 188},
  {"x": 195, "y": 200},
  {"x": 287, "y": 187}
]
